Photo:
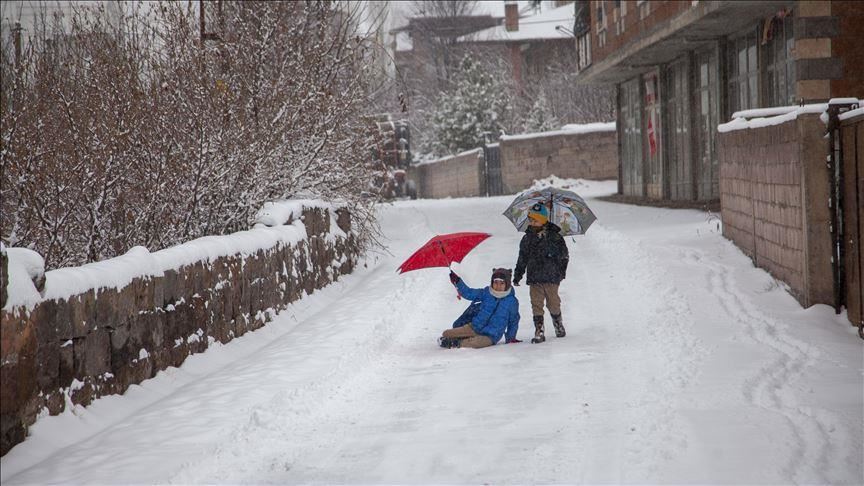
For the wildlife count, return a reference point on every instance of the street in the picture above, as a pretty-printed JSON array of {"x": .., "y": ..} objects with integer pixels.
[{"x": 682, "y": 364}]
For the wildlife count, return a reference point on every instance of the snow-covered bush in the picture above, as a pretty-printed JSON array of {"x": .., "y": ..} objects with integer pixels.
[{"x": 125, "y": 130}]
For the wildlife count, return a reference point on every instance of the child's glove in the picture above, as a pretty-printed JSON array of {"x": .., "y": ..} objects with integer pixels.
[
  {"x": 453, "y": 277},
  {"x": 514, "y": 340}
]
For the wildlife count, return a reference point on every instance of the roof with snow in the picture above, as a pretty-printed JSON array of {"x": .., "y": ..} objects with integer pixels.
[{"x": 542, "y": 26}]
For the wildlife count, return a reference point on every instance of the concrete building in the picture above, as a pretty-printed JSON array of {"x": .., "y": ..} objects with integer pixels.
[{"x": 683, "y": 68}]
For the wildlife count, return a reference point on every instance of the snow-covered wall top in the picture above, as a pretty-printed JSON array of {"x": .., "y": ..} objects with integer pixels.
[
  {"x": 766, "y": 117},
  {"x": 25, "y": 265},
  {"x": 851, "y": 114},
  {"x": 571, "y": 129},
  {"x": 277, "y": 213},
  {"x": 476, "y": 151}
]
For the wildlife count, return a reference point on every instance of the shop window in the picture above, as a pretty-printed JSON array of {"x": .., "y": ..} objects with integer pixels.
[
  {"x": 778, "y": 42},
  {"x": 707, "y": 118},
  {"x": 742, "y": 68}
]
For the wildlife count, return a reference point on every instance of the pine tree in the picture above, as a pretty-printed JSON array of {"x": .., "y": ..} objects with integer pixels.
[
  {"x": 476, "y": 105},
  {"x": 541, "y": 118}
]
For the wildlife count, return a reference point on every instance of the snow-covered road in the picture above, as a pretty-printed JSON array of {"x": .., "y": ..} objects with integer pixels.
[{"x": 682, "y": 364}]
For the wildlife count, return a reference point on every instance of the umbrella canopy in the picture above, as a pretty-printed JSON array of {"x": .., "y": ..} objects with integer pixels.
[
  {"x": 567, "y": 210},
  {"x": 443, "y": 250}
]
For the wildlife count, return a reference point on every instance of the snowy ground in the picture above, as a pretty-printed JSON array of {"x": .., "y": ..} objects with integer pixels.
[{"x": 682, "y": 364}]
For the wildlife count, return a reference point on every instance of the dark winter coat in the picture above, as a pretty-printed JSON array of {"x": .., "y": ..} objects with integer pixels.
[
  {"x": 544, "y": 254},
  {"x": 492, "y": 317}
]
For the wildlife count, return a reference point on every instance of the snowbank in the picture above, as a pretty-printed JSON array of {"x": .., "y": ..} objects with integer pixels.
[
  {"x": 583, "y": 187},
  {"x": 571, "y": 129}
]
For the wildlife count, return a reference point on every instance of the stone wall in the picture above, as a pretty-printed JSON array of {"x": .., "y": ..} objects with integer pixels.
[
  {"x": 102, "y": 341},
  {"x": 773, "y": 194},
  {"x": 526, "y": 158},
  {"x": 461, "y": 175}
]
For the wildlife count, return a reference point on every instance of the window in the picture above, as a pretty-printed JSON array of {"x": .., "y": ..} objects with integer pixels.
[
  {"x": 678, "y": 176},
  {"x": 601, "y": 15},
  {"x": 644, "y": 8},
  {"x": 620, "y": 13},
  {"x": 707, "y": 118},
  {"x": 630, "y": 134},
  {"x": 583, "y": 51},
  {"x": 601, "y": 23},
  {"x": 778, "y": 42},
  {"x": 742, "y": 67}
]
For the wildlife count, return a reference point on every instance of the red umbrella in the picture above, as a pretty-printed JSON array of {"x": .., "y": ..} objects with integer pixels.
[{"x": 443, "y": 250}]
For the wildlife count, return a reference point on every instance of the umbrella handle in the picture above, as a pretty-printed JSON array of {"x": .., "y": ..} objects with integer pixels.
[{"x": 450, "y": 267}]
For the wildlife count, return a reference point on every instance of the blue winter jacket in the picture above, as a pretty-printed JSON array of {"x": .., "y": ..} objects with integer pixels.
[{"x": 494, "y": 316}]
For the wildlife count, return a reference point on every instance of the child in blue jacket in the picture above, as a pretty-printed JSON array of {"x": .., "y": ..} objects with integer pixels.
[{"x": 493, "y": 313}]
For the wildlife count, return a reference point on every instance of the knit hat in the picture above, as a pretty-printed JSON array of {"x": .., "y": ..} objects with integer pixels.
[
  {"x": 539, "y": 213},
  {"x": 504, "y": 274}
]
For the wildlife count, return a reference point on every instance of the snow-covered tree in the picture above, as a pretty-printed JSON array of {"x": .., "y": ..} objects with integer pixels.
[
  {"x": 476, "y": 107},
  {"x": 541, "y": 118},
  {"x": 136, "y": 131}
]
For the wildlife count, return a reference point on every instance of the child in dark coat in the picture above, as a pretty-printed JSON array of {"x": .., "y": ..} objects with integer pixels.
[
  {"x": 543, "y": 252},
  {"x": 493, "y": 313}
]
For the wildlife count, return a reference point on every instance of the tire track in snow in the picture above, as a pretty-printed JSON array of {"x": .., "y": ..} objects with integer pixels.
[{"x": 812, "y": 453}]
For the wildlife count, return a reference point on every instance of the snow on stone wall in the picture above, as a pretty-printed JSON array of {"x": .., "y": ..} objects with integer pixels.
[{"x": 96, "y": 329}]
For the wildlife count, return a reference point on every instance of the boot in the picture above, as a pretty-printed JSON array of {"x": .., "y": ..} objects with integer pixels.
[
  {"x": 559, "y": 326},
  {"x": 539, "y": 336},
  {"x": 446, "y": 342}
]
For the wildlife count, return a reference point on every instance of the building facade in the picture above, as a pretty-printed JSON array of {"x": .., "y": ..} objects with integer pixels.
[
  {"x": 757, "y": 105},
  {"x": 683, "y": 67}
]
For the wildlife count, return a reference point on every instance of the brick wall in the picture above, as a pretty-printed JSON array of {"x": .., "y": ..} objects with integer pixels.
[
  {"x": 773, "y": 186},
  {"x": 457, "y": 176},
  {"x": 525, "y": 159},
  {"x": 102, "y": 341},
  {"x": 638, "y": 22},
  {"x": 847, "y": 46}
]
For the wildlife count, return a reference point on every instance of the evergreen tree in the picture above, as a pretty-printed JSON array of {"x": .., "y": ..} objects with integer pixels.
[
  {"x": 541, "y": 117},
  {"x": 476, "y": 104}
]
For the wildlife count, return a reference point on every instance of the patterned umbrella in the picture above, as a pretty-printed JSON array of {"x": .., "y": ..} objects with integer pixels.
[{"x": 566, "y": 209}]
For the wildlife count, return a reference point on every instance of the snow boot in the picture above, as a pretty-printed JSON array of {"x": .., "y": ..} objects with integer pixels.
[
  {"x": 539, "y": 335},
  {"x": 446, "y": 342},
  {"x": 559, "y": 326}
]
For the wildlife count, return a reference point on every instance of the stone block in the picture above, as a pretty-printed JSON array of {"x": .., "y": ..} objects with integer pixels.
[
  {"x": 12, "y": 432},
  {"x": 813, "y": 8},
  {"x": 172, "y": 287},
  {"x": 82, "y": 312},
  {"x": 107, "y": 303},
  {"x": 812, "y": 48},
  {"x": 814, "y": 90},
  {"x": 47, "y": 365},
  {"x": 66, "y": 357},
  {"x": 92, "y": 354}
]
